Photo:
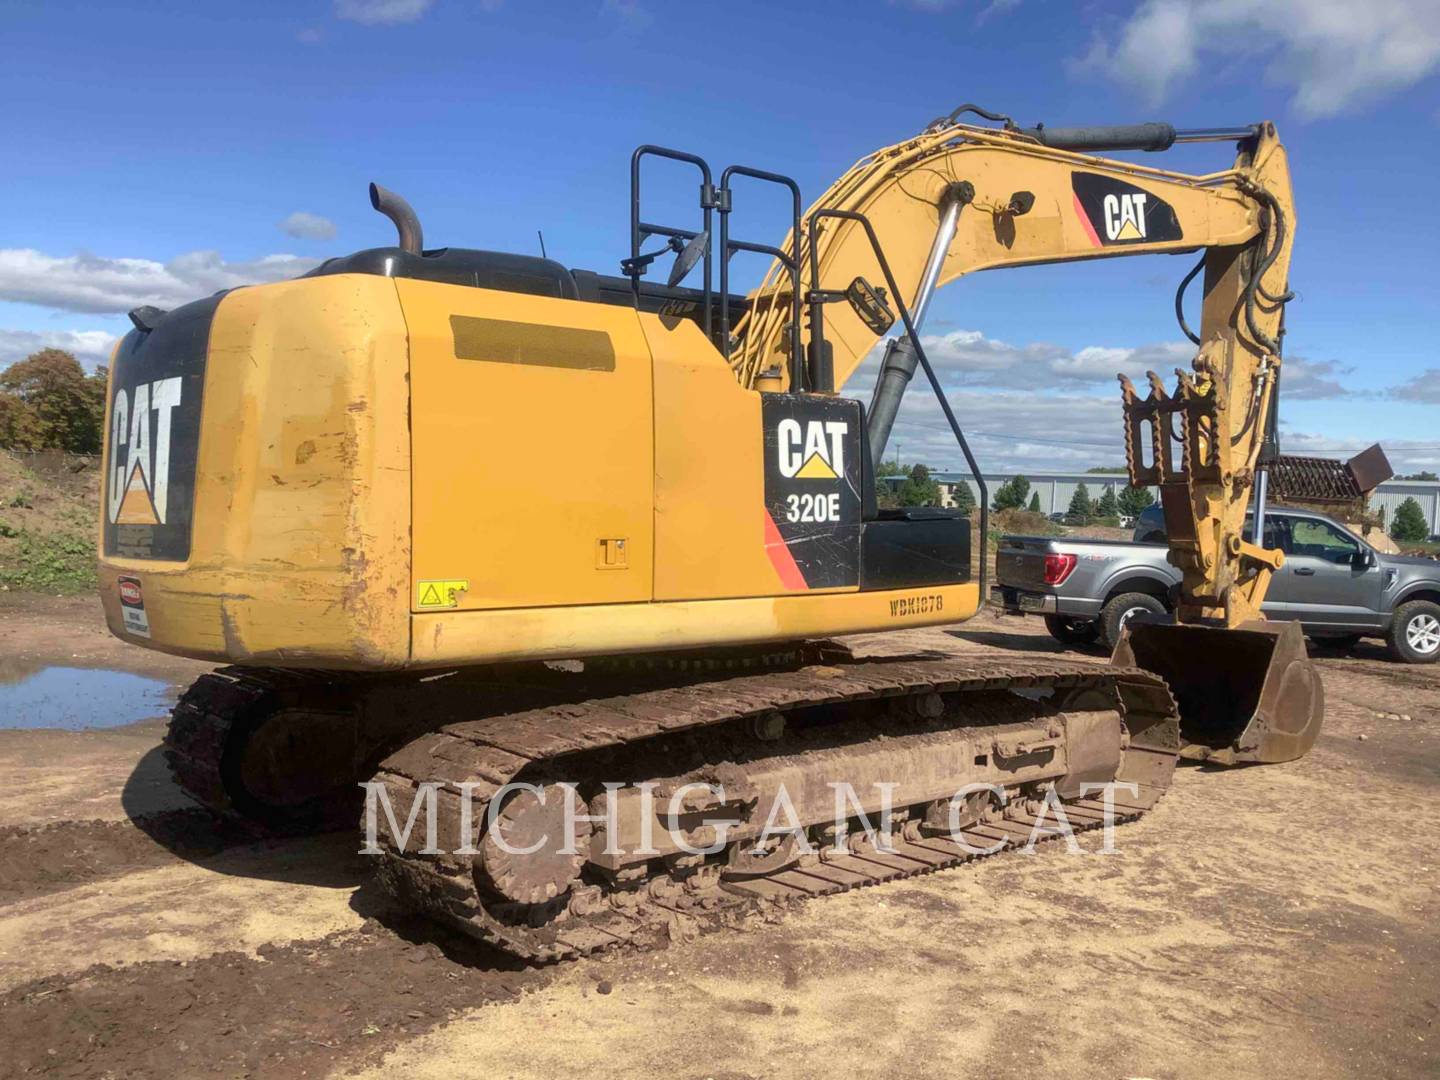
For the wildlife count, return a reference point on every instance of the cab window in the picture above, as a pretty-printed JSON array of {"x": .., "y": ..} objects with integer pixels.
[{"x": 1320, "y": 540}]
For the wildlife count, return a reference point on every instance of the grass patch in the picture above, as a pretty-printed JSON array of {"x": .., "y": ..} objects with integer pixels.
[{"x": 59, "y": 563}]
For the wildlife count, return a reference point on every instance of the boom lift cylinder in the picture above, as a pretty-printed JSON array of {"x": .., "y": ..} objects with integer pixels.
[{"x": 899, "y": 363}]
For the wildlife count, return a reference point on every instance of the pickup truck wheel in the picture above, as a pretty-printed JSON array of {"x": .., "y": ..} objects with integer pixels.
[
  {"x": 1070, "y": 631},
  {"x": 1415, "y": 632},
  {"x": 1115, "y": 614}
]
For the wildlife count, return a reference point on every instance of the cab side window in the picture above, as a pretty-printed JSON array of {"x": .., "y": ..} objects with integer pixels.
[{"x": 1321, "y": 540}]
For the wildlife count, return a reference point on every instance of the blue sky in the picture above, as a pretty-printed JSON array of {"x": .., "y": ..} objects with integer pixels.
[{"x": 164, "y": 150}]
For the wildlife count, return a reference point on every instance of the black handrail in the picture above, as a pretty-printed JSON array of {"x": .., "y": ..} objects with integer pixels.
[
  {"x": 818, "y": 299},
  {"x": 792, "y": 262},
  {"x": 641, "y": 229}
]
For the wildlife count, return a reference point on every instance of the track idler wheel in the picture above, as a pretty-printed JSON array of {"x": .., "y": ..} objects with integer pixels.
[
  {"x": 1250, "y": 694},
  {"x": 524, "y": 855}
]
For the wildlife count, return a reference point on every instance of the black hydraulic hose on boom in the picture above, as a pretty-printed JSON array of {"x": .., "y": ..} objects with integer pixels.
[{"x": 1153, "y": 136}]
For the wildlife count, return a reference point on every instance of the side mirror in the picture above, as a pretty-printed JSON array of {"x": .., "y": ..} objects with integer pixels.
[
  {"x": 1364, "y": 559},
  {"x": 689, "y": 255},
  {"x": 871, "y": 304}
]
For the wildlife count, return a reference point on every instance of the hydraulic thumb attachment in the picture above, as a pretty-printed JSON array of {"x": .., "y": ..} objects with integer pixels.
[{"x": 1247, "y": 694}]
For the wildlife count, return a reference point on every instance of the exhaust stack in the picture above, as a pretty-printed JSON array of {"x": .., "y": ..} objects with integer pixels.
[{"x": 407, "y": 223}]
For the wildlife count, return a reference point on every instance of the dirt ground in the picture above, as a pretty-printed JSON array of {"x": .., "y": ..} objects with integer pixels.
[{"x": 1267, "y": 922}]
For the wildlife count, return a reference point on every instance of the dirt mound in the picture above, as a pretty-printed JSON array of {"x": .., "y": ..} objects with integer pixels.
[
  {"x": 48, "y": 508},
  {"x": 45, "y": 859}
]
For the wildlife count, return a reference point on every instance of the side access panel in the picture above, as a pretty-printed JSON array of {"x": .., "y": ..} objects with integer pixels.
[{"x": 531, "y": 423}]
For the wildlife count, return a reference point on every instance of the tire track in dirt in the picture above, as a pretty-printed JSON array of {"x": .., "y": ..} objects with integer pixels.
[{"x": 291, "y": 1011}]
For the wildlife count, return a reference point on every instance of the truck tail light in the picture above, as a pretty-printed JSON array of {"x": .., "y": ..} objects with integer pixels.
[{"x": 1058, "y": 568}]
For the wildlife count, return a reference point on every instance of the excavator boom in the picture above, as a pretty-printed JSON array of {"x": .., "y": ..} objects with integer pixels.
[{"x": 958, "y": 199}]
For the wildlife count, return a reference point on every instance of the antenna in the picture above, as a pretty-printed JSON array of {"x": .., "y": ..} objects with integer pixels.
[{"x": 541, "y": 235}]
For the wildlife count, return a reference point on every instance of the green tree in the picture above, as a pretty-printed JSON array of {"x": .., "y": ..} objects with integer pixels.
[
  {"x": 65, "y": 405},
  {"x": 1012, "y": 494},
  {"x": 1108, "y": 470},
  {"x": 1107, "y": 506},
  {"x": 19, "y": 426},
  {"x": 1133, "y": 500},
  {"x": 919, "y": 489},
  {"x": 1409, "y": 525},
  {"x": 1080, "y": 504},
  {"x": 1035, "y": 503},
  {"x": 963, "y": 497},
  {"x": 1425, "y": 475}
]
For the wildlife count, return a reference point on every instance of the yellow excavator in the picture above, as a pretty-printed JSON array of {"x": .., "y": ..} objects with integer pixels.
[{"x": 492, "y": 536}]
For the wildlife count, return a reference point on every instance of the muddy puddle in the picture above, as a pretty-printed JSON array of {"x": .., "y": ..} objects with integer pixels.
[{"x": 74, "y": 699}]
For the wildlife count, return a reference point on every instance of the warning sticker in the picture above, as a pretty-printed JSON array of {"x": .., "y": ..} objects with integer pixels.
[
  {"x": 132, "y": 607},
  {"x": 439, "y": 594}
]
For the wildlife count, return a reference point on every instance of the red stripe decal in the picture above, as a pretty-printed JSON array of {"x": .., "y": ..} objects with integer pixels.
[
  {"x": 781, "y": 558},
  {"x": 1085, "y": 220}
]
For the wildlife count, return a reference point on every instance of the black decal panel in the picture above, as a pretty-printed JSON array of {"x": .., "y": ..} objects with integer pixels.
[
  {"x": 1116, "y": 213},
  {"x": 152, "y": 434},
  {"x": 812, "y": 489}
]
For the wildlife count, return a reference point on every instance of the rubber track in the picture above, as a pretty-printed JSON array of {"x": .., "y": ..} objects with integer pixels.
[{"x": 493, "y": 751}]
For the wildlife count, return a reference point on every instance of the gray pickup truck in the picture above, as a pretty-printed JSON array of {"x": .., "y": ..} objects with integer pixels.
[{"x": 1336, "y": 585}]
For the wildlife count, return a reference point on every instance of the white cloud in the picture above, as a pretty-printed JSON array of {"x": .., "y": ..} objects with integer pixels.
[
  {"x": 1333, "y": 53},
  {"x": 1010, "y": 431},
  {"x": 1312, "y": 380},
  {"x": 968, "y": 358},
  {"x": 997, "y": 7},
  {"x": 96, "y": 284},
  {"x": 90, "y": 347},
  {"x": 628, "y": 12},
  {"x": 1406, "y": 455},
  {"x": 1423, "y": 387},
  {"x": 381, "y": 12},
  {"x": 306, "y": 226},
  {"x": 1039, "y": 406}
]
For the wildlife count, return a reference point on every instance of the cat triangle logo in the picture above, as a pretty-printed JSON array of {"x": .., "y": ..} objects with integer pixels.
[
  {"x": 1128, "y": 231},
  {"x": 816, "y": 468},
  {"x": 136, "y": 507}
]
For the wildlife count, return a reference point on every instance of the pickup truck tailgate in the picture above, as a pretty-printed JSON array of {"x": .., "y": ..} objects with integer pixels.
[{"x": 1020, "y": 562}]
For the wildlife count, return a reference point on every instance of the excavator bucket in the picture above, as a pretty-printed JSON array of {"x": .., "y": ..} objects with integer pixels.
[{"x": 1246, "y": 695}]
